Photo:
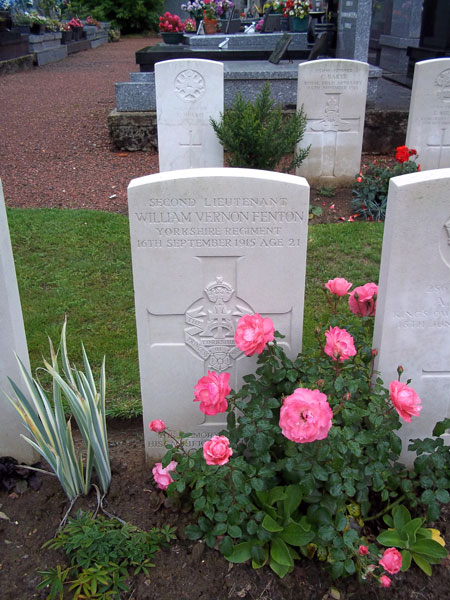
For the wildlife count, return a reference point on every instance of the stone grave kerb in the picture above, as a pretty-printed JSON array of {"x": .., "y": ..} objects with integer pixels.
[
  {"x": 412, "y": 323},
  {"x": 12, "y": 341}
]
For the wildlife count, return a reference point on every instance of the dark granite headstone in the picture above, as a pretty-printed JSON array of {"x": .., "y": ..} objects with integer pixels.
[{"x": 280, "y": 49}]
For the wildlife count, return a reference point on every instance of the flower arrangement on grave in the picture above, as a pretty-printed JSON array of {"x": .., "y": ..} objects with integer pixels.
[
  {"x": 210, "y": 11},
  {"x": 190, "y": 26},
  {"x": 75, "y": 24},
  {"x": 308, "y": 462},
  {"x": 370, "y": 189},
  {"x": 274, "y": 7},
  {"x": 65, "y": 27},
  {"x": 93, "y": 22},
  {"x": 194, "y": 8},
  {"x": 22, "y": 18},
  {"x": 223, "y": 6},
  {"x": 259, "y": 25},
  {"x": 297, "y": 8},
  {"x": 170, "y": 23}
]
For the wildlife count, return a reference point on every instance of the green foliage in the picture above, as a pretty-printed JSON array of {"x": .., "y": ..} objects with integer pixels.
[
  {"x": 257, "y": 136},
  {"x": 51, "y": 436},
  {"x": 276, "y": 500},
  {"x": 370, "y": 189},
  {"x": 415, "y": 542},
  {"x": 126, "y": 15},
  {"x": 327, "y": 190},
  {"x": 103, "y": 553}
]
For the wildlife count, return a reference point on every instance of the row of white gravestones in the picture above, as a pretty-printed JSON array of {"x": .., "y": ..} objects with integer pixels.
[
  {"x": 429, "y": 116},
  {"x": 12, "y": 340},
  {"x": 190, "y": 91},
  {"x": 412, "y": 324},
  {"x": 209, "y": 246}
]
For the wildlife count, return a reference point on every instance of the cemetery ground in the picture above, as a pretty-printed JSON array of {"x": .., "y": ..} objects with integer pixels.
[{"x": 56, "y": 154}]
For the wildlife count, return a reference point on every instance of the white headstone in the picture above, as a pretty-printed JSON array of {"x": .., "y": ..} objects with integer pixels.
[
  {"x": 208, "y": 246},
  {"x": 188, "y": 93},
  {"x": 12, "y": 340},
  {"x": 412, "y": 324},
  {"x": 333, "y": 94},
  {"x": 429, "y": 114}
]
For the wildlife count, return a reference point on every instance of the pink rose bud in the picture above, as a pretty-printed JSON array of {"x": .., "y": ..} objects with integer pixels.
[
  {"x": 339, "y": 344},
  {"x": 405, "y": 400},
  {"x": 385, "y": 581},
  {"x": 391, "y": 561},
  {"x": 217, "y": 451},
  {"x": 400, "y": 369},
  {"x": 363, "y": 300},
  {"x": 162, "y": 476},
  {"x": 305, "y": 416},
  {"x": 157, "y": 426},
  {"x": 374, "y": 352},
  {"x": 346, "y": 397},
  {"x": 211, "y": 391},
  {"x": 338, "y": 286},
  {"x": 252, "y": 333},
  {"x": 363, "y": 550}
]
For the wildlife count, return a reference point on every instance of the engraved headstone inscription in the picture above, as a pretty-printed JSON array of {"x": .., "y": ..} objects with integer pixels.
[
  {"x": 12, "y": 340},
  {"x": 188, "y": 93},
  {"x": 412, "y": 323},
  {"x": 429, "y": 115},
  {"x": 333, "y": 94},
  {"x": 209, "y": 246}
]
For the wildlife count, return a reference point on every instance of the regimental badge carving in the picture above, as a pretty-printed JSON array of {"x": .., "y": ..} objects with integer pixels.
[
  {"x": 189, "y": 85},
  {"x": 443, "y": 85},
  {"x": 212, "y": 322},
  {"x": 332, "y": 120}
]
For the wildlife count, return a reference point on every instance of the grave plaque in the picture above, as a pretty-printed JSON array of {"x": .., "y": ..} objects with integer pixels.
[
  {"x": 429, "y": 115},
  {"x": 209, "y": 246},
  {"x": 188, "y": 93},
  {"x": 412, "y": 324},
  {"x": 333, "y": 95},
  {"x": 12, "y": 340}
]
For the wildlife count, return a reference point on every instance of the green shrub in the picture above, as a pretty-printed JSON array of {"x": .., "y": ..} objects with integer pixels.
[
  {"x": 256, "y": 135},
  {"x": 126, "y": 15}
]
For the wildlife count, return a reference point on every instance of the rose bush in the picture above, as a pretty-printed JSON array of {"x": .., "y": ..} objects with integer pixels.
[
  {"x": 308, "y": 462},
  {"x": 211, "y": 391},
  {"x": 162, "y": 475}
]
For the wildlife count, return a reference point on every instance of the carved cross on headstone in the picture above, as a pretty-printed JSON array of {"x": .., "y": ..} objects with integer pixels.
[
  {"x": 191, "y": 145},
  {"x": 330, "y": 127},
  {"x": 442, "y": 147}
]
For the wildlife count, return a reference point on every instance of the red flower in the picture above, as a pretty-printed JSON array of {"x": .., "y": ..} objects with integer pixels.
[{"x": 402, "y": 154}]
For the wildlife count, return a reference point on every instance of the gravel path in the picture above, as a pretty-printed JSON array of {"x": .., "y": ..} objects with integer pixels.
[{"x": 55, "y": 149}]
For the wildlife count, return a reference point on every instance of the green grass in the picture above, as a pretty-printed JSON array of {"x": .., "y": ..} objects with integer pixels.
[{"x": 78, "y": 263}]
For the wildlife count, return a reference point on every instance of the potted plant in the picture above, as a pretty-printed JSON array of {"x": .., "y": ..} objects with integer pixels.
[
  {"x": 5, "y": 15},
  {"x": 22, "y": 20},
  {"x": 190, "y": 26},
  {"x": 298, "y": 10},
  {"x": 210, "y": 16},
  {"x": 37, "y": 26},
  {"x": 171, "y": 28},
  {"x": 195, "y": 9},
  {"x": 76, "y": 26},
  {"x": 66, "y": 33}
]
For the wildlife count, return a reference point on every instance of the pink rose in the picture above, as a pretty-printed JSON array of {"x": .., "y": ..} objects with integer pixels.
[
  {"x": 405, "y": 400},
  {"x": 162, "y": 476},
  {"x": 339, "y": 344},
  {"x": 363, "y": 550},
  {"x": 305, "y": 416},
  {"x": 217, "y": 451},
  {"x": 252, "y": 333},
  {"x": 338, "y": 286},
  {"x": 362, "y": 300},
  {"x": 157, "y": 426},
  {"x": 385, "y": 581},
  {"x": 211, "y": 391},
  {"x": 391, "y": 561}
]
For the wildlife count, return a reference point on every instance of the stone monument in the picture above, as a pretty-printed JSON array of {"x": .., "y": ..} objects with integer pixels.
[
  {"x": 188, "y": 93},
  {"x": 209, "y": 246},
  {"x": 12, "y": 340},
  {"x": 412, "y": 323},
  {"x": 333, "y": 94},
  {"x": 429, "y": 115}
]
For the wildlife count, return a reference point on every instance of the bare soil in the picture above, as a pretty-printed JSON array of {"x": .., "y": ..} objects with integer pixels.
[{"x": 186, "y": 570}]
